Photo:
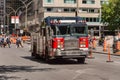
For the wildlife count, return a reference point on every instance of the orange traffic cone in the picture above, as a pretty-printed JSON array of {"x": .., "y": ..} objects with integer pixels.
[
  {"x": 109, "y": 56},
  {"x": 105, "y": 45},
  {"x": 90, "y": 56},
  {"x": 94, "y": 44}
]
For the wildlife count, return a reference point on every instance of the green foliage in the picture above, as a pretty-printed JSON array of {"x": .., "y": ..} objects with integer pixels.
[{"x": 111, "y": 14}]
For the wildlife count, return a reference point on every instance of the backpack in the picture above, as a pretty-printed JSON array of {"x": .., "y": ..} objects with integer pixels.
[
  {"x": 18, "y": 40},
  {"x": 2, "y": 40},
  {"x": 7, "y": 40}
]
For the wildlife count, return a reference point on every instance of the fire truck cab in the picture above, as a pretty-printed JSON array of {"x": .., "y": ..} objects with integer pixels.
[{"x": 61, "y": 37}]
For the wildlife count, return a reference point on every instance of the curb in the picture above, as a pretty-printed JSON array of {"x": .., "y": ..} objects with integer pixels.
[{"x": 106, "y": 53}]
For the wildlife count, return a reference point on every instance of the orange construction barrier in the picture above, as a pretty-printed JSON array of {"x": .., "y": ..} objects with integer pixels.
[
  {"x": 105, "y": 45},
  {"x": 118, "y": 45},
  {"x": 25, "y": 38},
  {"x": 13, "y": 40}
]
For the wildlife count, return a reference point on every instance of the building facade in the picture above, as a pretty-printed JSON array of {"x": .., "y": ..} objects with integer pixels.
[
  {"x": 89, "y": 10},
  {"x": 16, "y": 8}
]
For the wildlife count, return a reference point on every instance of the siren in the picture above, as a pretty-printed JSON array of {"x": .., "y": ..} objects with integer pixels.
[
  {"x": 55, "y": 22},
  {"x": 82, "y": 21}
]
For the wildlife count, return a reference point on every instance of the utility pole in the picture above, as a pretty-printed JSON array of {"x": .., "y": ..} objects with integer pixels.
[
  {"x": 4, "y": 17},
  {"x": 36, "y": 13},
  {"x": 100, "y": 23},
  {"x": 77, "y": 8},
  {"x": 26, "y": 10}
]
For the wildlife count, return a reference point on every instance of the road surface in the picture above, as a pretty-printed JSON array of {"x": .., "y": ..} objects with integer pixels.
[{"x": 17, "y": 64}]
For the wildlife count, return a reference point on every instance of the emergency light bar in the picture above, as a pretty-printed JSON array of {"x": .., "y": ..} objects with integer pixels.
[
  {"x": 59, "y": 20},
  {"x": 65, "y": 21}
]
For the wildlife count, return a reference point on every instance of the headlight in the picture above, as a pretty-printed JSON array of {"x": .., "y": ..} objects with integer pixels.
[
  {"x": 60, "y": 44},
  {"x": 82, "y": 45}
]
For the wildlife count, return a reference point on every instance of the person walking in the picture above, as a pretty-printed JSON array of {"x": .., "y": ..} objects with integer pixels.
[
  {"x": 8, "y": 41},
  {"x": 19, "y": 42},
  {"x": 0, "y": 41},
  {"x": 4, "y": 41}
]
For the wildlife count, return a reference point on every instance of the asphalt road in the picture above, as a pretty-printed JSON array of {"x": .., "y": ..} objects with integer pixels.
[{"x": 17, "y": 64}]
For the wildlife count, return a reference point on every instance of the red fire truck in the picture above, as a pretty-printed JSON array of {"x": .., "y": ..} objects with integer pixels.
[{"x": 61, "y": 37}]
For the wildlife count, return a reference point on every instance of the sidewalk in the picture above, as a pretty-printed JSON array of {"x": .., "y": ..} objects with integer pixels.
[{"x": 99, "y": 49}]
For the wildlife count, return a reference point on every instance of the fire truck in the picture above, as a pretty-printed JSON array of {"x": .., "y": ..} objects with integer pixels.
[{"x": 61, "y": 38}]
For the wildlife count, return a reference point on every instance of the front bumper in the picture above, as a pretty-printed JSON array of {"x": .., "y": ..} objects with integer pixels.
[{"x": 70, "y": 53}]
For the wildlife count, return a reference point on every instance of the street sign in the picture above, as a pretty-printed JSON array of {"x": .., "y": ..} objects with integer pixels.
[
  {"x": 14, "y": 19},
  {"x": 21, "y": 31},
  {"x": 17, "y": 19}
]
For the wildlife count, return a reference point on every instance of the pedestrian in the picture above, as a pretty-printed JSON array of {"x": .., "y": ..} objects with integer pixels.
[
  {"x": 19, "y": 42},
  {"x": 4, "y": 41},
  {"x": 8, "y": 41},
  {"x": 0, "y": 41}
]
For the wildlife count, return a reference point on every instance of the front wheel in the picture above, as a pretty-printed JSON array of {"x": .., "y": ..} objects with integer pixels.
[{"x": 81, "y": 60}]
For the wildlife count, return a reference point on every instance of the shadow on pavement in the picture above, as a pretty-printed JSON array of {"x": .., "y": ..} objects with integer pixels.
[
  {"x": 65, "y": 62},
  {"x": 3, "y": 77},
  {"x": 13, "y": 68},
  {"x": 54, "y": 61}
]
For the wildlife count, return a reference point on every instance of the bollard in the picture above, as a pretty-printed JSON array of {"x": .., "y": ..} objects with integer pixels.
[{"x": 109, "y": 56}]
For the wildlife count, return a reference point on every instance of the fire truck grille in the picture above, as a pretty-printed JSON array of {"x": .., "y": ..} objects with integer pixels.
[{"x": 71, "y": 44}]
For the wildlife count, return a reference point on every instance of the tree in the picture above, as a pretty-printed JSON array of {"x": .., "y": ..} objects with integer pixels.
[{"x": 111, "y": 14}]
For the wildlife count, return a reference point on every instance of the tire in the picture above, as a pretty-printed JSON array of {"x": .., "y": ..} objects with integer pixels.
[
  {"x": 81, "y": 60},
  {"x": 34, "y": 53},
  {"x": 46, "y": 54}
]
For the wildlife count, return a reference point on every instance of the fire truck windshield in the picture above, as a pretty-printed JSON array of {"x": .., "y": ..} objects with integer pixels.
[
  {"x": 68, "y": 30},
  {"x": 78, "y": 30}
]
